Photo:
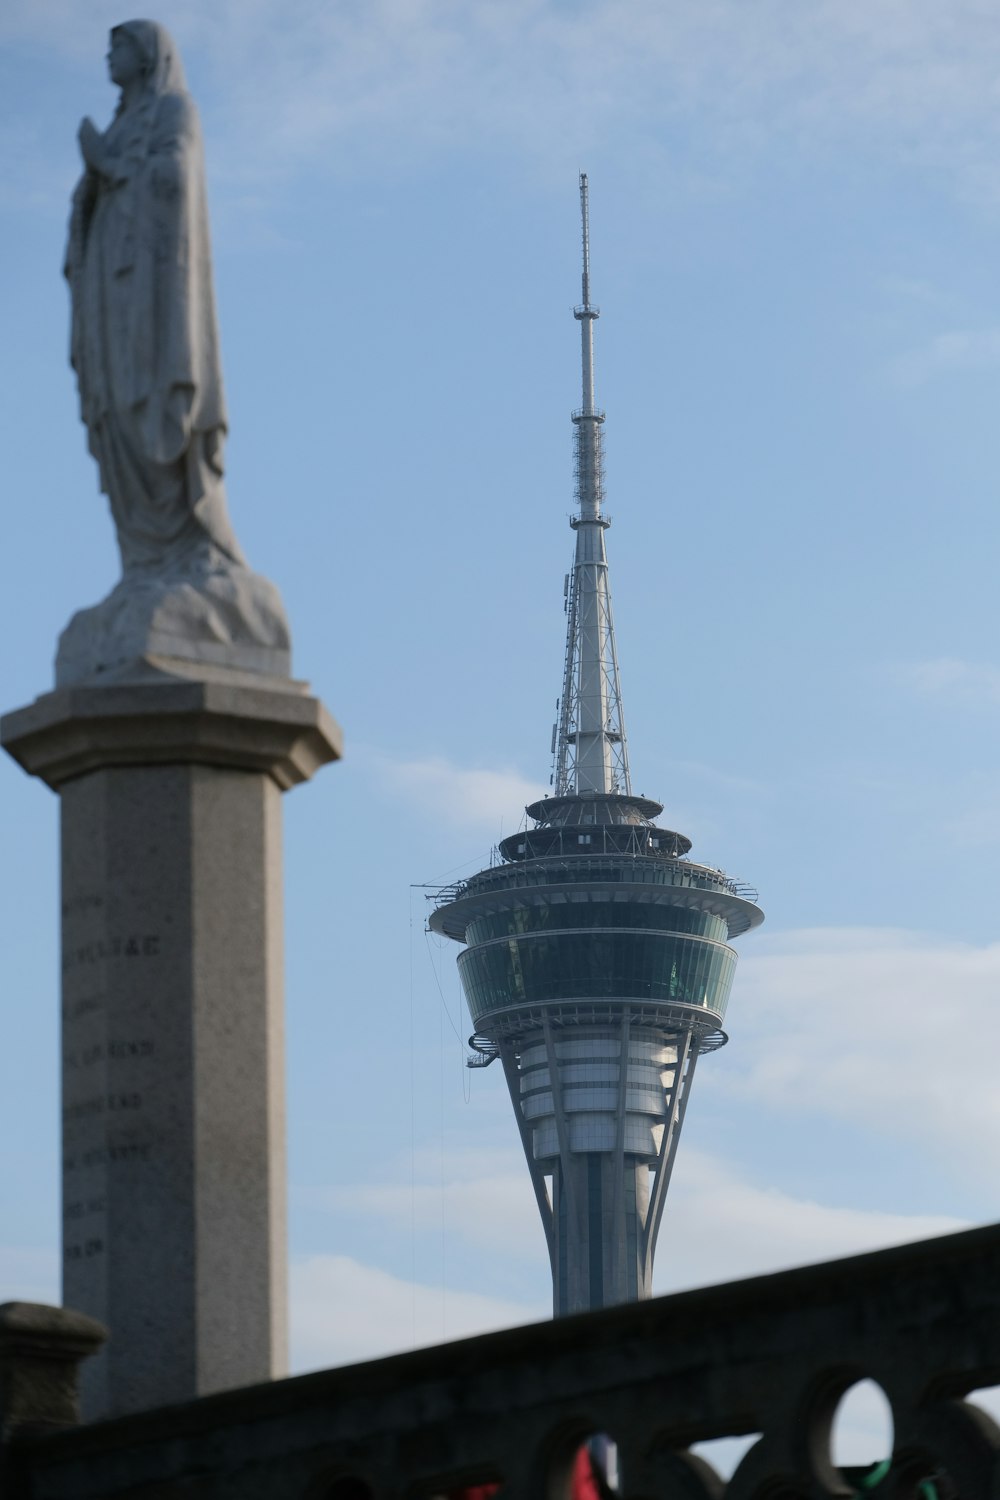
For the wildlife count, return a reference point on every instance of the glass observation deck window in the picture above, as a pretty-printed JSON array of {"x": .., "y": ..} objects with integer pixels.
[{"x": 533, "y": 968}]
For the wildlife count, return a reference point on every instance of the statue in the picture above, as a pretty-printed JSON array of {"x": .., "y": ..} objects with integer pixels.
[{"x": 145, "y": 349}]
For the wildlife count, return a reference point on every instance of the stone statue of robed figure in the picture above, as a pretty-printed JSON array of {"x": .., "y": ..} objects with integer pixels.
[{"x": 145, "y": 349}]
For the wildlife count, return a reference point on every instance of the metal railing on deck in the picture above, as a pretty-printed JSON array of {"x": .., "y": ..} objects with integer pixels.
[{"x": 638, "y": 869}]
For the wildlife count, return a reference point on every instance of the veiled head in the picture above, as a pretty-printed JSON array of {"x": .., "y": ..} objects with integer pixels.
[{"x": 146, "y": 49}]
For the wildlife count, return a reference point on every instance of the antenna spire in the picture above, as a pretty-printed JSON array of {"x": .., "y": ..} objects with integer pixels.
[
  {"x": 590, "y": 749},
  {"x": 585, "y": 216}
]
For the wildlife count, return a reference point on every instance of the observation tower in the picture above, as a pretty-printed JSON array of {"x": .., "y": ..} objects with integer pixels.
[{"x": 596, "y": 966}]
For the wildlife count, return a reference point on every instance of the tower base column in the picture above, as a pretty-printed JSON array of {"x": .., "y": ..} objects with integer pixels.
[{"x": 603, "y": 1265}]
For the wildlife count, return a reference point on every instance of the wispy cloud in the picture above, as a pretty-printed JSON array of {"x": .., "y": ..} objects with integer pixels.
[
  {"x": 482, "y": 1199},
  {"x": 946, "y": 354},
  {"x": 886, "y": 1029},
  {"x": 343, "y": 1311},
  {"x": 337, "y": 85},
  {"x": 485, "y": 798},
  {"x": 978, "y": 825},
  {"x": 952, "y": 678},
  {"x": 720, "y": 1226},
  {"x": 915, "y": 289}
]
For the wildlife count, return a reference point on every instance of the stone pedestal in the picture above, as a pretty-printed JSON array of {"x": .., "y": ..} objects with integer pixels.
[
  {"x": 169, "y": 775},
  {"x": 41, "y": 1349}
]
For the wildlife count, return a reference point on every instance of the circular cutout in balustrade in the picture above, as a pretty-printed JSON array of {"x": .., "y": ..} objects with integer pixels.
[{"x": 861, "y": 1435}]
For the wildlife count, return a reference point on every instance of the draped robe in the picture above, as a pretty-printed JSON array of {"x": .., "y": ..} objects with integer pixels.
[{"x": 145, "y": 343}]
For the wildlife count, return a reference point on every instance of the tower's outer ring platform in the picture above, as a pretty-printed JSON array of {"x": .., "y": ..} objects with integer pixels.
[
  {"x": 587, "y": 940},
  {"x": 654, "y": 881}
]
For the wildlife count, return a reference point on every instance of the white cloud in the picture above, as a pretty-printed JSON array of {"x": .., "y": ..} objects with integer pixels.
[
  {"x": 718, "y": 1226},
  {"x": 891, "y": 1030},
  {"x": 914, "y": 289},
  {"x": 946, "y": 353},
  {"x": 343, "y": 1311},
  {"x": 978, "y": 826},
  {"x": 468, "y": 798},
  {"x": 338, "y": 83},
  {"x": 483, "y": 1198},
  {"x": 948, "y": 676}
]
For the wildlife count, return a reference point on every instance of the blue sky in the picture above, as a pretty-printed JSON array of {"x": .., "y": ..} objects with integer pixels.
[{"x": 795, "y": 225}]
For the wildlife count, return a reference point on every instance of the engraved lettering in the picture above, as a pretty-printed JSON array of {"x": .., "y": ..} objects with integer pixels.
[
  {"x": 84, "y": 1007},
  {"x": 125, "y": 1101},
  {"x": 83, "y": 1108},
  {"x": 82, "y": 904},
  {"x": 126, "y": 1049},
  {"x": 131, "y": 1151},
  {"x": 78, "y": 1209},
  {"x": 135, "y": 945}
]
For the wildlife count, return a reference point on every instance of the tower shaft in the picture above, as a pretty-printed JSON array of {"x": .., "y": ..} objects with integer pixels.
[{"x": 600, "y": 1163}]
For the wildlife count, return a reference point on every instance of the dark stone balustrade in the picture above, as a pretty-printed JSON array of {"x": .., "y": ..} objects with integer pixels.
[{"x": 771, "y": 1355}]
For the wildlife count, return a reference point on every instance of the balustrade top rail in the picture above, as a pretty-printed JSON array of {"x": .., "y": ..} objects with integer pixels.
[{"x": 770, "y": 1355}]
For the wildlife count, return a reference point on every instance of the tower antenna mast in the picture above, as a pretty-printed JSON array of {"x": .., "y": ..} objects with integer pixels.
[
  {"x": 585, "y": 216},
  {"x": 590, "y": 753}
]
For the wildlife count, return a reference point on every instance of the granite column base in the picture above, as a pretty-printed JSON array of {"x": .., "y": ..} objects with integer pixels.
[{"x": 172, "y": 1016}]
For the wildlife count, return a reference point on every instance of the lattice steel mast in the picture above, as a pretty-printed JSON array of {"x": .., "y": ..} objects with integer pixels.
[
  {"x": 596, "y": 965},
  {"x": 591, "y": 754}
]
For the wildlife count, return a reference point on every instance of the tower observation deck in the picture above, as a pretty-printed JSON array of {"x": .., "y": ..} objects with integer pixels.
[{"x": 596, "y": 964}]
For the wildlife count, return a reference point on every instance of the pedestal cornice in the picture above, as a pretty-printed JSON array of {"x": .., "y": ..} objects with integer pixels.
[{"x": 158, "y": 711}]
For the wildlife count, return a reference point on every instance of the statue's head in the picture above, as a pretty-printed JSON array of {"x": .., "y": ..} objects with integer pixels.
[
  {"x": 125, "y": 59},
  {"x": 145, "y": 50}
]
